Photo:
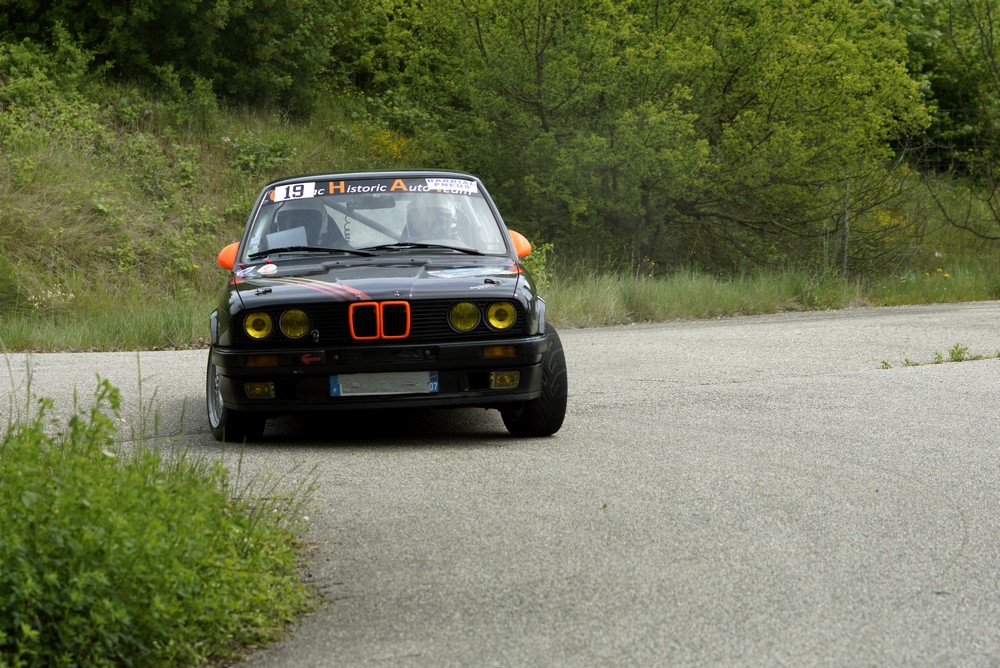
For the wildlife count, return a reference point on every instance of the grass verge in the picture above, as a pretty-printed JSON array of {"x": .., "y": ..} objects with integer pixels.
[
  {"x": 621, "y": 299},
  {"x": 130, "y": 558}
]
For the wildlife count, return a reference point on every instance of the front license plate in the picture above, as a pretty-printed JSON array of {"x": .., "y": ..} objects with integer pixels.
[{"x": 398, "y": 382}]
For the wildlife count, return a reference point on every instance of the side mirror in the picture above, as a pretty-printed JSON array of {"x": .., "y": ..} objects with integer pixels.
[
  {"x": 227, "y": 256},
  {"x": 521, "y": 244}
]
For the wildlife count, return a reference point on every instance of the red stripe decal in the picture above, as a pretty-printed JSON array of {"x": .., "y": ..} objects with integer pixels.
[{"x": 343, "y": 292}]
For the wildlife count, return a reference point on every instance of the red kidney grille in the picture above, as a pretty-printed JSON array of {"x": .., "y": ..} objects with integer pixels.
[{"x": 379, "y": 320}]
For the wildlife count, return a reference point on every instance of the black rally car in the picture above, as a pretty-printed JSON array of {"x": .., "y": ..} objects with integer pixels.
[{"x": 380, "y": 290}]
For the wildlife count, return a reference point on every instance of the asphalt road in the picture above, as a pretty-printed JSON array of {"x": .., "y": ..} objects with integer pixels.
[{"x": 740, "y": 492}]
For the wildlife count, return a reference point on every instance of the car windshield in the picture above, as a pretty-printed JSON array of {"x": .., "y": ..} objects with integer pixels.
[{"x": 390, "y": 215}]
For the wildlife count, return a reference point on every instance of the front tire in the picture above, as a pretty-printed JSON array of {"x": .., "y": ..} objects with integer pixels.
[
  {"x": 542, "y": 416},
  {"x": 227, "y": 424}
]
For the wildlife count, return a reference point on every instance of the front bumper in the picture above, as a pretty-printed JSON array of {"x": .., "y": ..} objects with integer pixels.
[{"x": 300, "y": 378}]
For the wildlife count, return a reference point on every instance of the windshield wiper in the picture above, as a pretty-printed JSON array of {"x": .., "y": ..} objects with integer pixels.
[
  {"x": 402, "y": 245},
  {"x": 308, "y": 249}
]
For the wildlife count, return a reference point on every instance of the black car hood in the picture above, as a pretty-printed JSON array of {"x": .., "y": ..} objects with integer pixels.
[{"x": 374, "y": 279}]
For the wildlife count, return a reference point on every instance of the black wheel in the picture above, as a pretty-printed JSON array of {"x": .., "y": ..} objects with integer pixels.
[
  {"x": 226, "y": 424},
  {"x": 542, "y": 416}
]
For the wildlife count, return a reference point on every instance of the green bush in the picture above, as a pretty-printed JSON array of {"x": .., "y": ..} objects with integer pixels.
[
  {"x": 42, "y": 96},
  {"x": 257, "y": 156},
  {"x": 124, "y": 559},
  {"x": 539, "y": 265}
]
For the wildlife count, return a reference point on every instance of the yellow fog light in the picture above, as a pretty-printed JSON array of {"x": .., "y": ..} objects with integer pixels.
[
  {"x": 259, "y": 390},
  {"x": 504, "y": 380},
  {"x": 464, "y": 316},
  {"x": 294, "y": 323},
  {"x": 501, "y": 315},
  {"x": 258, "y": 325}
]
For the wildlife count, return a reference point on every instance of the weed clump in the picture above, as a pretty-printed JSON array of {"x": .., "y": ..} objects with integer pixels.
[{"x": 131, "y": 559}]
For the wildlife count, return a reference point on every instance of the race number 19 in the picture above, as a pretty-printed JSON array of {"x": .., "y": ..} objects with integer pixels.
[{"x": 294, "y": 191}]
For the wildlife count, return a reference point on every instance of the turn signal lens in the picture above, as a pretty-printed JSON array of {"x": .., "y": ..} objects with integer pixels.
[
  {"x": 495, "y": 352},
  {"x": 258, "y": 325},
  {"x": 261, "y": 361},
  {"x": 501, "y": 315},
  {"x": 464, "y": 316},
  {"x": 294, "y": 323}
]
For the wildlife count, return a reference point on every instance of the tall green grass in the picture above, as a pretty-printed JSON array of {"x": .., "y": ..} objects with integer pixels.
[
  {"x": 613, "y": 299},
  {"x": 112, "y": 318},
  {"x": 132, "y": 558},
  {"x": 959, "y": 283}
]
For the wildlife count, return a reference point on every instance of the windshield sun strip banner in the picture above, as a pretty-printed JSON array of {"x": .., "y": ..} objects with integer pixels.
[{"x": 309, "y": 189}]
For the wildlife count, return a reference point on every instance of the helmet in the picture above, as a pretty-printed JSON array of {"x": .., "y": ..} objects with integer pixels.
[
  {"x": 426, "y": 223},
  {"x": 310, "y": 220}
]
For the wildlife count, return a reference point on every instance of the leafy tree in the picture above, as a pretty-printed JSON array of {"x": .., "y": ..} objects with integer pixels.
[
  {"x": 950, "y": 50},
  {"x": 800, "y": 103},
  {"x": 954, "y": 49},
  {"x": 734, "y": 131}
]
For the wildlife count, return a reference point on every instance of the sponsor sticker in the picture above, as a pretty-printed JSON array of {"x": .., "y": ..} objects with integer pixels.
[
  {"x": 452, "y": 185},
  {"x": 468, "y": 272}
]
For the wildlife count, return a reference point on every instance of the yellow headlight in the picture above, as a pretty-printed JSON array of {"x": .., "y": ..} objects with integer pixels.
[
  {"x": 258, "y": 325},
  {"x": 501, "y": 315},
  {"x": 464, "y": 316},
  {"x": 294, "y": 323}
]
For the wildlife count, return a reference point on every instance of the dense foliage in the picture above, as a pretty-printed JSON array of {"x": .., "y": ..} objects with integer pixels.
[
  {"x": 130, "y": 559},
  {"x": 253, "y": 51},
  {"x": 953, "y": 49}
]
